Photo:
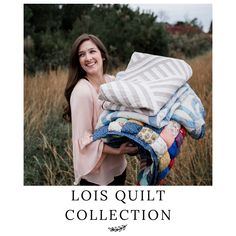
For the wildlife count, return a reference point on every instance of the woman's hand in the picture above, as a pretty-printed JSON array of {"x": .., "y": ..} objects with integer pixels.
[
  {"x": 124, "y": 148},
  {"x": 127, "y": 148}
]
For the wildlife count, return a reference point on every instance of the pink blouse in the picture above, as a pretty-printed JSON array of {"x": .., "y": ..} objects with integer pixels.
[{"x": 88, "y": 160}]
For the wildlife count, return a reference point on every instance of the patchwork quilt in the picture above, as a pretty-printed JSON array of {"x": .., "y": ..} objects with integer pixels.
[{"x": 157, "y": 148}]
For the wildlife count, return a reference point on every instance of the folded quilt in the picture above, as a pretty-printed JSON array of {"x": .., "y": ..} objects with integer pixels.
[
  {"x": 184, "y": 107},
  {"x": 146, "y": 85},
  {"x": 157, "y": 147}
]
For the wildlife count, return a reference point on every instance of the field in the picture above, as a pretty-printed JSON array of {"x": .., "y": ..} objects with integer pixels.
[{"x": 47, "y": 137}]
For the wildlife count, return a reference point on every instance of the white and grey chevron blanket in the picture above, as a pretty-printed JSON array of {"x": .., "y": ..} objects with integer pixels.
[{"x": 146, "y": 85}]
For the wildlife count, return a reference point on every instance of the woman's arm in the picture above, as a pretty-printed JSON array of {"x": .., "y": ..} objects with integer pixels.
[{"x": 86, "y": 153}]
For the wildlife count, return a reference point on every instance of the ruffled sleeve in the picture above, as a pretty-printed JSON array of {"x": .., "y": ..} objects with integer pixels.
[{"x": 86, "y": 153}]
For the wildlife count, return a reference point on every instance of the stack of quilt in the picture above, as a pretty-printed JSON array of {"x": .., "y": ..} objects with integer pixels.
[{"x": 151, "y": 105}]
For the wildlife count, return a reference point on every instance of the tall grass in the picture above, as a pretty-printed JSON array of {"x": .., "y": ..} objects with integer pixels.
[
  {"x": 47, "y": 137},
  {"x": 193, "y": 166},
  {"x": 47, "y": 145}
]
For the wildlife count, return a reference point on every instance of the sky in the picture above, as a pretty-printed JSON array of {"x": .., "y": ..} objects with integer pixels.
[{"x": 180, "y": 12}]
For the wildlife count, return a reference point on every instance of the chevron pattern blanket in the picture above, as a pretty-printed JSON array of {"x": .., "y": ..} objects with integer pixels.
[{"x": 146, "y": 85}]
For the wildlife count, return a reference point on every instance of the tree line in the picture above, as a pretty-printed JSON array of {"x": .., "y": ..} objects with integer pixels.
[{"x": 50, "y": 30}]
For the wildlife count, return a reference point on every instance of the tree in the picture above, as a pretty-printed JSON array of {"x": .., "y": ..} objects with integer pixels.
[
  {"x": 210, "y": 28},
  {"x": 50, "y": 30}
]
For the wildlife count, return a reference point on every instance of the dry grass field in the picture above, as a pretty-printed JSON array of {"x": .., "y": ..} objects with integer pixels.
[{"x": 47, "y": 137}]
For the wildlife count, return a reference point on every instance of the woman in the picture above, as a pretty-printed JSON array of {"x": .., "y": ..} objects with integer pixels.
[{"x": 95, "y": 163}]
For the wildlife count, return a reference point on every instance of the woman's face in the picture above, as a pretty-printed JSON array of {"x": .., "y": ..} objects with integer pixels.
[{"x": 90, "y": 58}]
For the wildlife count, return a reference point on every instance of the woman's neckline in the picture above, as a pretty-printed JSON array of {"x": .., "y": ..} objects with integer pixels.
[{"x": 96, "y": 89}]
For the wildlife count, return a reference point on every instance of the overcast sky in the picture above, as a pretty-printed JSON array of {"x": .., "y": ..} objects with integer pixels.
[{"x": 180, "y": 12}]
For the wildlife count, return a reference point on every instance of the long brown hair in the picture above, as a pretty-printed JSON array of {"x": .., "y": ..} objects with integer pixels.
[{"x": 75, "y": 70}]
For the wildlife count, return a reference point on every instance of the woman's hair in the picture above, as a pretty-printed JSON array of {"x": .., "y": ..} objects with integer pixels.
[{"x": 75, "y": 70}]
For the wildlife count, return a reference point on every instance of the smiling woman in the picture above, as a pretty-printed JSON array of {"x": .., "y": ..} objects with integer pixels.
[{"x": 95, "y": 163}]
